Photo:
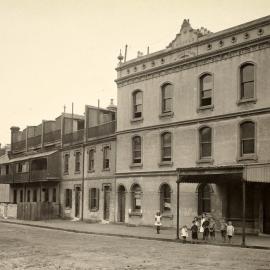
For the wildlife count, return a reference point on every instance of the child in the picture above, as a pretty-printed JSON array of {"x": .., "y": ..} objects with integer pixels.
[
  {"x": 230, "y": 231},
  {"x": 223, "y": 229},
  {"x": 184, "y": 233},
  {"x": 205, "y": 229},
  {"x": 194, "y": 231},
  {"x": 212, "y": 229},
  {"x": 158, "y": 221}
]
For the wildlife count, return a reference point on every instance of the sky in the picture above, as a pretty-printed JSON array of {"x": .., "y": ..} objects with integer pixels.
[{"x": 55, "y": 52}]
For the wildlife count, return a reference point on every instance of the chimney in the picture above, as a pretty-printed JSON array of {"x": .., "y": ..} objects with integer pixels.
[{"x": 112, "y": 107}]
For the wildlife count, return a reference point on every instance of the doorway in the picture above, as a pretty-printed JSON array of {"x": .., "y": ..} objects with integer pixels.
[
  {"x": 106, "y": 213},
  {"x": 121, "y": 203},
  {"x": 77, "y": 201},
  {"x": 266, "y": 209}
]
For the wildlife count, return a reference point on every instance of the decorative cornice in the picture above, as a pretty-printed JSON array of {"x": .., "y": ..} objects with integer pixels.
[
  {"x": 198, "y": 60},
  {"x": 199, "y": 120}
]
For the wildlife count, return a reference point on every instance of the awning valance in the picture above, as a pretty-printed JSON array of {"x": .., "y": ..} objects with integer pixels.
[
  {"x": 34, "y": 156},
  {"x": 213, "y": 174},
  {"x": 259, "y": 173}
]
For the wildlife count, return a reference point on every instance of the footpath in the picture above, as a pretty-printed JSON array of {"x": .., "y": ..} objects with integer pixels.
[{"x": 138, "y": 232}]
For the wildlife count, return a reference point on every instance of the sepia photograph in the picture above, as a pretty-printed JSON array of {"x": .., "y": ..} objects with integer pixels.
[{"x": 135, "y": 135}]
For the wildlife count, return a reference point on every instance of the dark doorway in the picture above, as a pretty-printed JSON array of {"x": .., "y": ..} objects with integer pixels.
[
  {"x": 121, "y": 203},
  {"x": 266, "y": 210},
  {"x": 77, "y": 201},
  {"x": 106, "y": 214},
  {"x": 204, "y": 198}
]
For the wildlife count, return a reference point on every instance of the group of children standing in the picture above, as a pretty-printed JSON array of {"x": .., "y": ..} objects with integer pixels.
[{"x": 205, "y": 225}]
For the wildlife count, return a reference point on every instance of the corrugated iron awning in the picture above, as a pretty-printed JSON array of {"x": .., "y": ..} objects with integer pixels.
[
  {"x": 259, "y": 173},
  {"x": 37, "y": 155},
  {"x": 213, "y": 174}
]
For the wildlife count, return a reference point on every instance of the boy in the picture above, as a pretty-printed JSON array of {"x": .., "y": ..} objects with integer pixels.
[
  {"x": 223, "y": 229},
  {"x": 194, "y": 232}
]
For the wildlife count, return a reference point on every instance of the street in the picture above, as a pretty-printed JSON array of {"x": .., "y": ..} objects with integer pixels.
[{"x": 35, "y": 248}]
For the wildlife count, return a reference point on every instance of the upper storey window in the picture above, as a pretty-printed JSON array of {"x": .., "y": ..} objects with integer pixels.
[
  {"x": 137, "y": 104},
  {"x": 206, "y": 88},
  {"x": 247, "y": 81},
  {"x": 136, "y": 149},
  {"x": 166, "y": 146},
  {"x": 167, "y": 94},
  {"x": 247, "y": 138},
  {"x": 205, "y": 142}
]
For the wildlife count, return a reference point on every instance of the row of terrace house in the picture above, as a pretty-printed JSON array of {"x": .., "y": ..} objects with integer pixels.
[{"x": 63, "y": 168}]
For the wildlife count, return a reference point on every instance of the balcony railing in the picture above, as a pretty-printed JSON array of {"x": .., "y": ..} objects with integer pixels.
[
  {"x": 38, "y": 175},
  {"x": 21, "y": 177},
  {"x": 102, "y": 130},
  {"x": 74, "y": 137},
  {"x": 52, "y": 136},
  {"x": 34, "y": 141},
  {"x": 18, "y": 146},
  {"x": 6, "y": 179}
]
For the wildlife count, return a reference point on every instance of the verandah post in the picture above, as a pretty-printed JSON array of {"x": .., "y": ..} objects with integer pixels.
[
  {"x": 178, "y": 206},
  {"x": 244, "y": 213}
]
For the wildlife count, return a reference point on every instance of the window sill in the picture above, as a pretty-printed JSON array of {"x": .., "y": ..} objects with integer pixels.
[
  {"x": 135, "y": 214},
  {"x": 246, "y": 100},
  {"x": 91, "y": 171},
  {"x": 68, "y": 208},
  {"x": 138, "y": 119},
  {"x": 203, "y": 108},
  {"x": 106, "y": 169},
  {"x": 165, "y": 163},
  {"x": 136, "y": 165},
  {"x": 250, "y": 157},
  {"x": 166, "y": 115},
  {"x": 65, "y": 173},
  {"x": 205, "y": 160},
  {"x": 93, "y": 210},
  {"x": 77, "y": 172},
  {"x": 167, "y": 215}
]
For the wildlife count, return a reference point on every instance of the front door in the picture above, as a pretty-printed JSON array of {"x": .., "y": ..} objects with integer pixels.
[
  {"x": 106, "y": 214},
  {"x": 266, "y": 210},
  {"x": 121, "y": 203},
  {"x": 77, "y": 201}
]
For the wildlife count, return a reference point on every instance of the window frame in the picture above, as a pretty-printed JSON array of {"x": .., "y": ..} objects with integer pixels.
[
  {"x": 201, "y": 156},
  {"x": 163, "y": 198},
  {"x": 165, "y": 159},
  {"x": 247, "y": 155},
  {"x": 201, "y": 90},
  {"x": 165, "y": 112},
  {"x": 241, "y": 99},
  {"x": 66, "y": 163},
  {"x": 93, "y": 198},
  {"x": 138, "y": 150},
  {"x": 77, "y": 161},
  {"x": 136, "y": 194},
  {"x": 135, "y": 104},
  {"x": 68, "y": 198},
  {"x": 91, "y": 162},
  {"x": 202, "y": 199},
  {"x": 106, "y": 157}
]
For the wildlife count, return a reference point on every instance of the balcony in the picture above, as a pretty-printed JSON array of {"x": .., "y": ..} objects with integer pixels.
[
  {"x": 74, "y": 137},
  {"x": 102, "y": 130},
  {"x": 21, "y": 177},
  {"x": 34, "y": 141},
  {"x": 52, "y": 136}
]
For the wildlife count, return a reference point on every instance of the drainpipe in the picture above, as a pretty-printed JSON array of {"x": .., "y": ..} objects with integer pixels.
[{"x": 83, "y": 157}]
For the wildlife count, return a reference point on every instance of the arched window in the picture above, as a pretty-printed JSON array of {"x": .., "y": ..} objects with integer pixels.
[
  {"x": 206, "y": 87},
  {"x": 165, "y": 198},
  {"x": 247, "y": 138},
  {"x": 137, "y": 104},
  {"x": 205, "y": 135},
  {"x": 204, "y": 198},
  {"x": 136, "y": 149},
  {"x": 136, "y": 194},
  {"x": 166, "y": 146},
  {"x": 247, "y": 81},
  {"x": 166, "y": 93}
]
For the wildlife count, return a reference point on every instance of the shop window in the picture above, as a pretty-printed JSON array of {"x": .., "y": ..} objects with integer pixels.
[{"x": 136, "y": 198}]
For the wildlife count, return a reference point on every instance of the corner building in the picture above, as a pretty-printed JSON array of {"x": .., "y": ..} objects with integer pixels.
[{"x": 198, "y": 111}]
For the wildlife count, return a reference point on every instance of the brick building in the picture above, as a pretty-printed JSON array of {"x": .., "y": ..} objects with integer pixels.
[{"x": 197, "y": 111}]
